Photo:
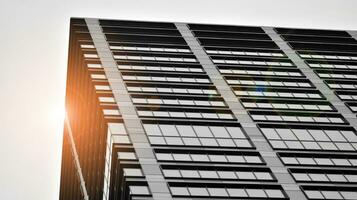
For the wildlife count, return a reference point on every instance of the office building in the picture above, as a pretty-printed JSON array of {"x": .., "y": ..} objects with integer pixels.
[{"x": 167, "y": 111}]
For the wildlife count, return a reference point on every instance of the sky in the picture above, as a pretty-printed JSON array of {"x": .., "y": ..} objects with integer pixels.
[{"x": 33, "y": 57}]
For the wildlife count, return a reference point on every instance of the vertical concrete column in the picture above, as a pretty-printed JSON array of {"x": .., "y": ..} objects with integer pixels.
[
  {"x": 151, "y": 169},
  {"x": 250, "y": 127},
  {"x": 313, "y": 77}
]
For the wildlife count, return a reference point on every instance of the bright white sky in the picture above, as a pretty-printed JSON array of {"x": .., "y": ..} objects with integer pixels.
[{"x": 33, "y": 57}]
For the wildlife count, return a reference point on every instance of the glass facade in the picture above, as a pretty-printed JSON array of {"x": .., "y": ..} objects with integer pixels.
[{"x": 193, "y": 111}]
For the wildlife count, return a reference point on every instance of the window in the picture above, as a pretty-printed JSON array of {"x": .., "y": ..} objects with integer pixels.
[
  {"x": 292, "y": 106},
  {"x": 154, "y": 49},
  {"x": 333, "y": 57},
  {"x": 172, "y": 90},
  {"x": 132, "y": 172},
  {"x": 224, "y": 174},
  {"x": 87, "y": 55},
  {"x": 218, "y": 192},
  {"x": 87, "y": 46},
  {"x": 208, "y": 157},
  {"x": 139, "y": 190},
  {"x": 342, "y": 76},
  {"x": 161, "y": 68},
  {"x": 94, "y": 65},
  {"x": 98, "y": 76},
  {"x": 183, "y": 102},
  {"x": 154, "y": 58},
  {"x": 187, "y": 114},
  {"x": 319, "y": 161},
  {"x": 196, "y": 135},
  {"x": 315, "y": 139},
  {"x": 179, "y": 191},
  {"x": 246, "y": 62},
  {"x": 165, "y": 79},
  {"x": 339, "y": 176},
  {"x": 272, "y": 94},
  {"x": 227, "y": 192},
  {"x": 296, "y": 118},
  {"x": 127, "y": 156},
  {"x": 195, "y": 191},
  {"x": 267, "y": 83},
  {"x": 259, "y": 72},
  {"x": 102, "y": 87},
  {"x": 332, "y": 66},
  {"x": 247, "y": 53}
]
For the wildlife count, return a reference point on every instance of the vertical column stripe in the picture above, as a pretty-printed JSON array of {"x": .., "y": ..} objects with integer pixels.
[
  {"x": 151, "y": 169},
  {"x": 262, "y": 145},
  {"x": 313, "y": 77}
]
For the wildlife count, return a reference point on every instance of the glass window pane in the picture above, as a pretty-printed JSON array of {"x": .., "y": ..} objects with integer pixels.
[
  {"x": 180, "y": 191},
  {"x": 139, "y": 190},
  {"x": 349, "y": 195},
  {"x": 200, "y": 157},
  {"x": 351, "y": 178},
  {"x": 337, "y": 177},
  {"x": 186, "y": 131},
  {"x": 286, "y": 134},
  {"x": 236, "y": 159},
  {"x": 256, "y": 193},
  {"x": 171, "y": 173},
  {"x": 335, "y": 135},
  {"x": 289, "y": 160},
  {"x": 209, "y": 142},
  {"x": 191, "y": 141},
  {"x": 341, "y": 162},
  {"x": 331, "y": 195},
  {"x": 190, "y": 173},
  {"x": 275, "y": 193},
  {"x": 164, "y": 156},
  {"x": 306, "y": 161},
  {"x": 350, "y": 136},
  {"x": 235, "y": 132},
  {"x": 302, "y": 134},
  {"x": 195, "y": 191},
  {"x": 245, "y": 175},
  {"x": 152, "y": 129},
  {"x": 314, "y": 194},
  {"x": 218, "y": 192},
  {"x": 208, "y": 174},
  {"x": 218, "y": 158},
  {"x": 323, "y": 161},
  {"x": 168, "y": 130},
  {"x": 318, "y": 177},
  {"x": 181, "y": 157},
  {"x": 173, "y": 140},
  {"x": 270, "y": 133},
  {"x": 132, "y": 172},
  {"x": 127, "y": 155},
  {"x": 319, "y": 135},
  {"x": 227, "y": 175},
  {"x": 301, "y": 177},
  {"x": 202, "y": 131},
  {"x": 253, "y": 159},
  {"x": 294, "y": 145},
  {"x": 157, "y": 140},
  {"x": 226, "y": 142},
  {"x": 242, "y": 143},
  {"x": 263, "y": 175},
  {"x": 237, "y": 192},
  {"x": 219, "y": 132}
]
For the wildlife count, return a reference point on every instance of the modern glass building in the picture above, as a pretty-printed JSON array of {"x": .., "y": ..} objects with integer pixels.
[{"x": 167, "y": 111}]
